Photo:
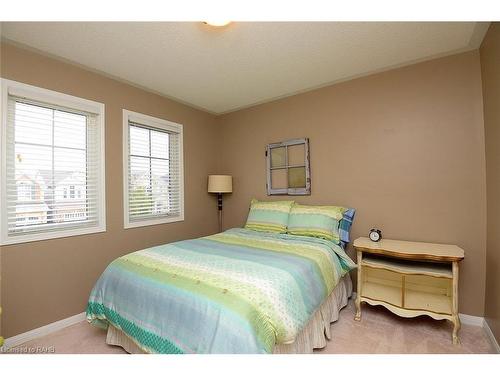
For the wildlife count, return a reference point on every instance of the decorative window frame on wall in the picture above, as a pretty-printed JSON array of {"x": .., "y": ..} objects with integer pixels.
[{"x": 306, "y": 190}]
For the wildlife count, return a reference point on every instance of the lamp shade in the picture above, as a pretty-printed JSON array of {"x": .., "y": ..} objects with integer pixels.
[{"x": 220, "y": 183}]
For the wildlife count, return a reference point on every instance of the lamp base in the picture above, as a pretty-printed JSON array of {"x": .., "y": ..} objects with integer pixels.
[{"x": 219, "y": 206}]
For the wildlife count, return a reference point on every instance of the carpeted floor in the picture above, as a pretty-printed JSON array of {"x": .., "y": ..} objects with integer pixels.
[{"x": 378, "y": 332}]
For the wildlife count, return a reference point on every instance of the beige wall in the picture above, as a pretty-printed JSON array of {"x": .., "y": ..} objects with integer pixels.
[
  {"x": 50, "y": 280},
  {"x": 404, "y": 147},
  {"x": 490, "y": 64}
]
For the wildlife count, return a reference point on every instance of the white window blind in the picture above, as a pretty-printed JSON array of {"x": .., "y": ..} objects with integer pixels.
[
  {"x": 53, "y": 183},
  {"x": 154, "y": 171}
]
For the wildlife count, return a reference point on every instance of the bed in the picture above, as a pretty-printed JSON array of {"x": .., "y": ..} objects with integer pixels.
[{"x": 239, "y": 291}]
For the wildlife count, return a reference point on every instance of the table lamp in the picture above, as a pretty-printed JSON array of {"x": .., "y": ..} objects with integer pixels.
[{"x": 220, "y": 184}]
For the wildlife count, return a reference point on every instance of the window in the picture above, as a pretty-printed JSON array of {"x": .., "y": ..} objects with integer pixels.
[
  {"x": 153, "y": 170},
  {"x": 288, "y": 167},
  {"x": 25, "y": 191},
  {"x": 53, "y": 143}
]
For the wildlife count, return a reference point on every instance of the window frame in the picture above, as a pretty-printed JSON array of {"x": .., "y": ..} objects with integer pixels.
[
  {"x": 162, "y": 125},
  {"x": 14, "y": 88},
  {"x": 307, "y": 166}
]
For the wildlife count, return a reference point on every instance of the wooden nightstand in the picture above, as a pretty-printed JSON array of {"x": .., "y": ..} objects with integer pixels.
[{"x": 409, "y": 278}]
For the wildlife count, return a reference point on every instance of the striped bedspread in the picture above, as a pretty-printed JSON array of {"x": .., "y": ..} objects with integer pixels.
[{"x": 239, "y": 291}]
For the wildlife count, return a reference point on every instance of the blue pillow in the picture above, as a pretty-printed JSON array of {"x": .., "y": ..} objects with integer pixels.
[{"x": 345, "y": 226}]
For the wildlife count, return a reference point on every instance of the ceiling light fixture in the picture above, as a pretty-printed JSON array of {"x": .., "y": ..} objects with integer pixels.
[{"x": 217, "y": 23}]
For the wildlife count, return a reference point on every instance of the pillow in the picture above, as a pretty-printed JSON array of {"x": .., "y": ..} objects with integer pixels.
[
  {"x": 269, "y": 216},
  {"x": 316, "y": 221},
  {"x": 345, "y": 226}
]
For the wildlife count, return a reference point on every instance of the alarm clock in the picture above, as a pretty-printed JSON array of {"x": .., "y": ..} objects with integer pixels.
[{"x": 375, "y": 235}]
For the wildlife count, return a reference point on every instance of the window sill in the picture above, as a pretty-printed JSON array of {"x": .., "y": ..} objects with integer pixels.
[
  {"x": 51, "y": 236},
  {"x": 145, "y": 223}
]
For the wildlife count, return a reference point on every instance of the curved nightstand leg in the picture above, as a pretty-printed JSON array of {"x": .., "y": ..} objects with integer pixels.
[
  {"x": 456, "y": 319},
  {"x": 357, "y": 317},
  {"x": 456, "y": 327}
]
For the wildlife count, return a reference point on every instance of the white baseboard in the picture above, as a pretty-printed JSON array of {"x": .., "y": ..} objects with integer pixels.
[
  {"x": 471, "y": 320},
  {"x": 491, "y": 336},
  {"x": 17, "y": 340}
]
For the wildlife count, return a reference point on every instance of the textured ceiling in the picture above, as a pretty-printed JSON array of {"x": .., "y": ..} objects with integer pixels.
[{"x": 221, "y": 70}]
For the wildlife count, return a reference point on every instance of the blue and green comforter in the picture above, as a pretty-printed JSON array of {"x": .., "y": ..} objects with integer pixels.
[{"x": 239, "y": 291}]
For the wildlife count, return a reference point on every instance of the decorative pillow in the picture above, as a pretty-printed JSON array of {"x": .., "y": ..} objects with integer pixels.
[
  {"x": 269, "y": 216},
  {"x": 345, "y": 226},
  {"x": 316, "y": 221}
]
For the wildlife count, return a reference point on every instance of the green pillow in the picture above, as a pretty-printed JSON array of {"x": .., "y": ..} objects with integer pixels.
[
  {"x": 269, "y": 216},
  {"x": 316, "y": 221}
]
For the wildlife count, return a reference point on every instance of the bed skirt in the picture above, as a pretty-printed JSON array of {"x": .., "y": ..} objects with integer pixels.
[{"x": 313, "y": 336}]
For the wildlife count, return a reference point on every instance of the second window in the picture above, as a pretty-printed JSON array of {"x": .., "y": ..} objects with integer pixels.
[{"x": 153, "y": 170}]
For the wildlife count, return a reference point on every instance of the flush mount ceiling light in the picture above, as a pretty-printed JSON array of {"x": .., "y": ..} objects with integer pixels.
[{"x": 217, "y": 23}]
